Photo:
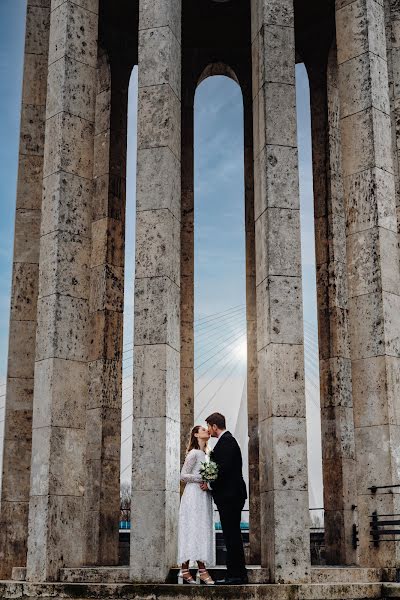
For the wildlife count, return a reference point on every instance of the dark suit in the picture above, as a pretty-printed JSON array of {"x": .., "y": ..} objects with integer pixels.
[{"x": 229, "y": 493}]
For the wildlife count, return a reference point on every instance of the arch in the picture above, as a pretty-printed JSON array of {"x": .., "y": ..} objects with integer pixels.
[
  {"x": 219, "y": 188},
  {"x": 217, "y": 68},
  {"x": 187, "y": 287}
]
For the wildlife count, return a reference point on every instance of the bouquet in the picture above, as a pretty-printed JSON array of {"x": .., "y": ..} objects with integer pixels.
[{"x": 209, "y": 470}]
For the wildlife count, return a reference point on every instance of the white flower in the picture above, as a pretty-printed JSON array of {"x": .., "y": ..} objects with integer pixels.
[{"x": 209, "y": 470}]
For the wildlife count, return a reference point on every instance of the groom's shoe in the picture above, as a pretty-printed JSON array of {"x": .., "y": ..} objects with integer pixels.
[{"x": 233, "y": 581}]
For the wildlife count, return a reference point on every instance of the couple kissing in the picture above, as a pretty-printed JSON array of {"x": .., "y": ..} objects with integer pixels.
[{"x": 211, "y": 476}]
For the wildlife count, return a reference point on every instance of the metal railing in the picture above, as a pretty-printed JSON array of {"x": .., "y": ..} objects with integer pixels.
[
  {"x": 378, "y": 530},
  {"x": 385, "y": 525},
  {"x": 125, "y": 520}
]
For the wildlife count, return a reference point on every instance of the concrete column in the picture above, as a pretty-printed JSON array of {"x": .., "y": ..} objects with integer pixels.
[
  {"x": 285, "y": 537},
  {"x": 392, "y": 27},
  {"x": 56, "y": 510},
  {"x": 187, "y": 273},
  {"x": 21, "y": 351},
  {"x": 372, "y": 263},
  {"x": 156, "y": 422},
  {"x": 251, "y": 314},
  {"x": 103, "y": 417},
  {"x": 338, "y": 446}
]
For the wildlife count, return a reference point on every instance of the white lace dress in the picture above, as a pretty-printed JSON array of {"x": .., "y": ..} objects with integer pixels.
[{"x": 196, "y": 539}]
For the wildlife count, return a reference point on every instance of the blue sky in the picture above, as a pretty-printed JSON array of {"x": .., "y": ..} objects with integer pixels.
[
  {"x": 219, "y": 197},
  {"x": 219, "y": 209},
  {"x": 12, "y": 26}
]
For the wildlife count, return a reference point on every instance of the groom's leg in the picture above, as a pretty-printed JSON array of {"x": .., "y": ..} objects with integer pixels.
[
  {"x": 230, "y": 516},
  {"x": 226, "y": 524},
  {"x": 238, "y": 559}
]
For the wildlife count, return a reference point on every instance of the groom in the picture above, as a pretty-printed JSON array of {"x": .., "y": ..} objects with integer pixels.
[{"x": 229, "y": 494}]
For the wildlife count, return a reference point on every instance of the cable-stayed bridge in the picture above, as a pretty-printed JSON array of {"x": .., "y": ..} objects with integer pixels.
[{"x": 220, "y": 384}]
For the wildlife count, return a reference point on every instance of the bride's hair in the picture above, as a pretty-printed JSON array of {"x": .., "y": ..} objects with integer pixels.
[{"x": 193, "y": 443}]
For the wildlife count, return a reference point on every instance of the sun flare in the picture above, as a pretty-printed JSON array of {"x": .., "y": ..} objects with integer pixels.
[{"x": 241, "y": 351}]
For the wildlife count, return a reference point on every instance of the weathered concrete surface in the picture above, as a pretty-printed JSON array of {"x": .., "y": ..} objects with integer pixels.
[
  {"x": 56, "y": 531},
  {"x": 156, "y": 420},
  {"x": 251, "y": 323},
  {"x": 95, "y": 575},
  {"x": 338, "y": 443},
  {"x": 187, "y": 273},
  {"x": 257, "y": 575},
  {"x": 372, "y": 262},
  {"x": 392, "y": 28},
  {"x": 285, "y": 540},
  {"x": 160, "y": 592},
  {"x": 345, "y": 575},
  {"x": 391, "y": 590},
  {"x": 21, "y": 351},
  {"x": 103, "y": 417}
]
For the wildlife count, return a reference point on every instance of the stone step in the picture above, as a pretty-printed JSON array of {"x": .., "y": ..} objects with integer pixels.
[
  {"x": 104, "y": 591},
  {"x": 121, "y": 574},
  {"x": 345, "y": 575},
  {"x": 95, "y": 575},
  {"x": 256, "y": 574}
]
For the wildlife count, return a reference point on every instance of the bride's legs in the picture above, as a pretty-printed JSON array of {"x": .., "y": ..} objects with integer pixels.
[
  {"x": 185, "y": 575},
  {"x": 204, "y": 575}
]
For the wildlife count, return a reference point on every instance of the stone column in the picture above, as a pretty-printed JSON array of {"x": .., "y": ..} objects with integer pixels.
[
  {"x": 392, "y": 18},
  {"x": 21, "y": 351},
  {"x": 251, "y": 312},
  {"x": 372, "y": 262},
  {"x": 156, "y": 422},
  {"x": 285, "y": 537},
  {"x": 338, "y": 449},
  {"x": 56, "y": 510},
  {"x": 187, "y": 273},
  {"x": 103, "y": 417}
]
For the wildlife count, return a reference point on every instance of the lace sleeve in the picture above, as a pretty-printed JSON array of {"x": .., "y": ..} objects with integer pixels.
[{"x": 187, "y": 474}]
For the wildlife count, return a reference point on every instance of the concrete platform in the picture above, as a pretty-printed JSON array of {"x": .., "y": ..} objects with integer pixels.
[
  {"x": 11, "y": 590},
  {"x": 348, "y": 575},
  {"x": 257, "y": 575}
]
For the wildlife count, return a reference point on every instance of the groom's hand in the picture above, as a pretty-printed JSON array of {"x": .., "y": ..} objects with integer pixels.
[{"x": 204, "y": 486}]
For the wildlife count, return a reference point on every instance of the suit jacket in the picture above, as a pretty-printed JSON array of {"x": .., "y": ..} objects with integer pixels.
[{"x": 229, "y": 485}]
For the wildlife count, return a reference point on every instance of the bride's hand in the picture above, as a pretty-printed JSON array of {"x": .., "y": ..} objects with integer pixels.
[{"x": 204, "y": 487}]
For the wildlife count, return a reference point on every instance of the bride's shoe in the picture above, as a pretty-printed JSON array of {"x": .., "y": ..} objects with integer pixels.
[
  {"x": 204, "y": 577},
  {"x": 184, "y": 576}
]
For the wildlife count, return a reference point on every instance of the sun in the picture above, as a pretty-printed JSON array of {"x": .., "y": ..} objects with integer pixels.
[{"x": 241, "y": 351}]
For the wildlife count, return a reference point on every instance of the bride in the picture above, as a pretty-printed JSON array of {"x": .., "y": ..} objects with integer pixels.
[{"x": 196, "y": 540}]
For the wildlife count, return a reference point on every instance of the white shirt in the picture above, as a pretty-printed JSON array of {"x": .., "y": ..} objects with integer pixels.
[{"x": 220, "y": 436}]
